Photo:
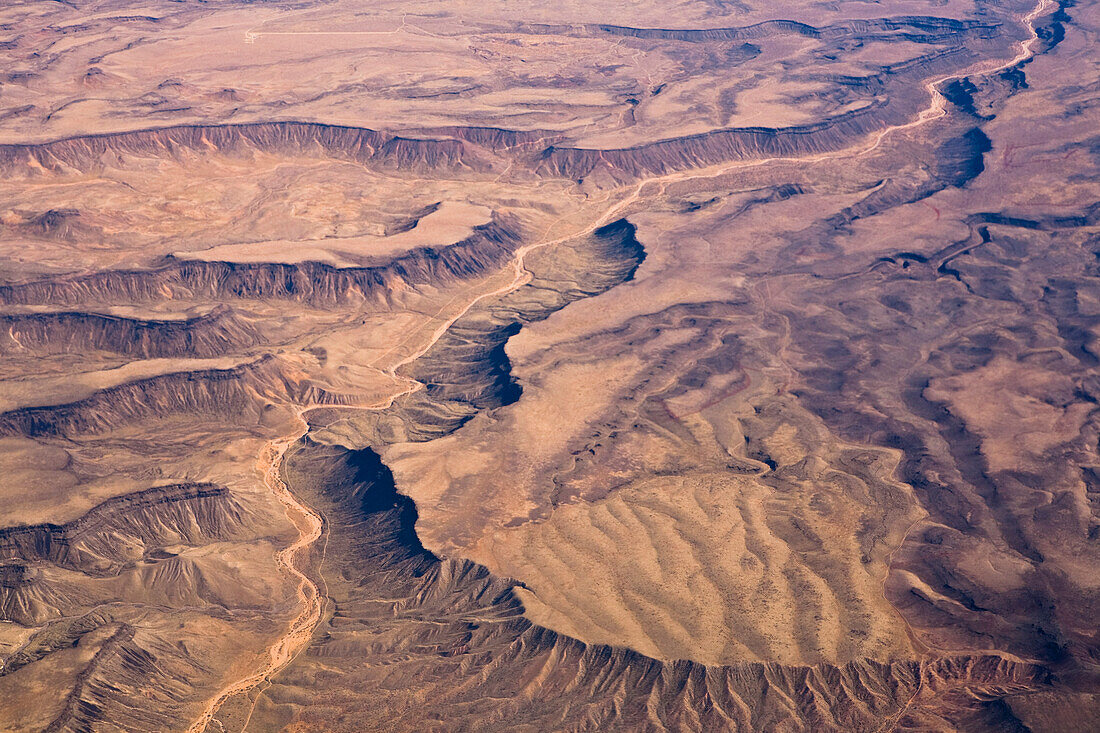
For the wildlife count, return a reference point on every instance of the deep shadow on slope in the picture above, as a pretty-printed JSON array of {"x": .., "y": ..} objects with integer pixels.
[
  {"x": 313, "y": 283},
  {"x": 219, "y": 332},
  {"x": 467, "y": 370},
  {"x": 415, "y": 643}
]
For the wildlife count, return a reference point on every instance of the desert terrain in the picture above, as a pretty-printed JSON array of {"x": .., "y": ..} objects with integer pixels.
[{"x": 661, "y": 366}]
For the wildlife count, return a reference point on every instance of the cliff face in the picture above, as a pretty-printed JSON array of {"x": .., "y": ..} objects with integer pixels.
[
  {"x": 457, "y": 630},
  {"x": 354, "y": 144},
  {"x": 238, "y": 392},
  {"x": 311, "y": 283},
  {"x": 219, "y": 332},
  {"x": 483, "y": 151},
  {"x": 722, "y": 146},
  {"x": 890, "y": 96},
  {"x": 100, "y": 542},
  {"x": 164, "y": 544},
  {"x": 110, "y": 538},
  {"x": 820, "y": 456},
  {"x": 433, "y": 619},
  {"x": 467, "y": 370},
  {"x": 915, "y": 29}
]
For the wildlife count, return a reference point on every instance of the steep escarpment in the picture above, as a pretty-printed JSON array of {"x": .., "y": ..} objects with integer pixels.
[
  {"x": 467, "y": 369},
  {"x": 720, "y": 146},
  {"x": 218, "y": 332},
  {"x": 698, "y": 470},
  {"x": 824, "y": 460},
  {"x": 867, "y": 103},
  {"x": 453, "y": 152},
  {"x": 217, "y": 390},
  {"x": 890, "y": 96},
  {"x": 312, "y": 283},
  {"x": 457, "y": 630},
  {"x": 469, "y": 364},
  {"x": 114, "y": 533},
  {"x": 238, "y": 391},
  {"x": 483, "y": 149},
  {"x": 915, "y": 29},
  {"x": 41, "y": 565}
]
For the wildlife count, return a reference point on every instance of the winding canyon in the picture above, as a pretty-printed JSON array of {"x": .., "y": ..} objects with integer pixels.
[{"x": 649, "y": 366}]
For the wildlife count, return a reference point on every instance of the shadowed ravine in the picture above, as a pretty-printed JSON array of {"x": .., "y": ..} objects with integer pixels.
[{"x": 658, "y": 367}]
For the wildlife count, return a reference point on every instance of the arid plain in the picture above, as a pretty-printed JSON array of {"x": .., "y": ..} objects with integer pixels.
[{"x": 689, "y": 365}]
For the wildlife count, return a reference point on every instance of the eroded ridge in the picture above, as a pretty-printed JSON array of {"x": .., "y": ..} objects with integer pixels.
[
  {"x": 256, "y": 398},
  {"x": 460, "y": 631},
  {"x": 747, "y": 388},
  {"x": 98, "y": 583},
  {"x": 887, "y": 102}
]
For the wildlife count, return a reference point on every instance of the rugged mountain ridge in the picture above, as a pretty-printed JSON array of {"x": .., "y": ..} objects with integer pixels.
[
  {"x": 467, "y": 370},
  {"x": 452, "y": 153},
  {"x": 37, "y": 562},
  {"x": 915, "y": 28},
  {"x": 312, "y": 283},
  {"x": 244, "y": 389},
  {"x": 488, "y": 667},
  {"x": 218, "y": 332},
  {"x": 802, "y": 343},
  {"x": 94, "y": 543},
  {"x": 721, "y": 146}
]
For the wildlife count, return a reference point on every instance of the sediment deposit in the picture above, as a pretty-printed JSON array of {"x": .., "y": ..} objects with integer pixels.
[{"x": 649, "y": 366}]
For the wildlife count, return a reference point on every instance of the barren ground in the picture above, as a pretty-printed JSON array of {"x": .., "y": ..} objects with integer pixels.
[{"x": 573, "y": 366}]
